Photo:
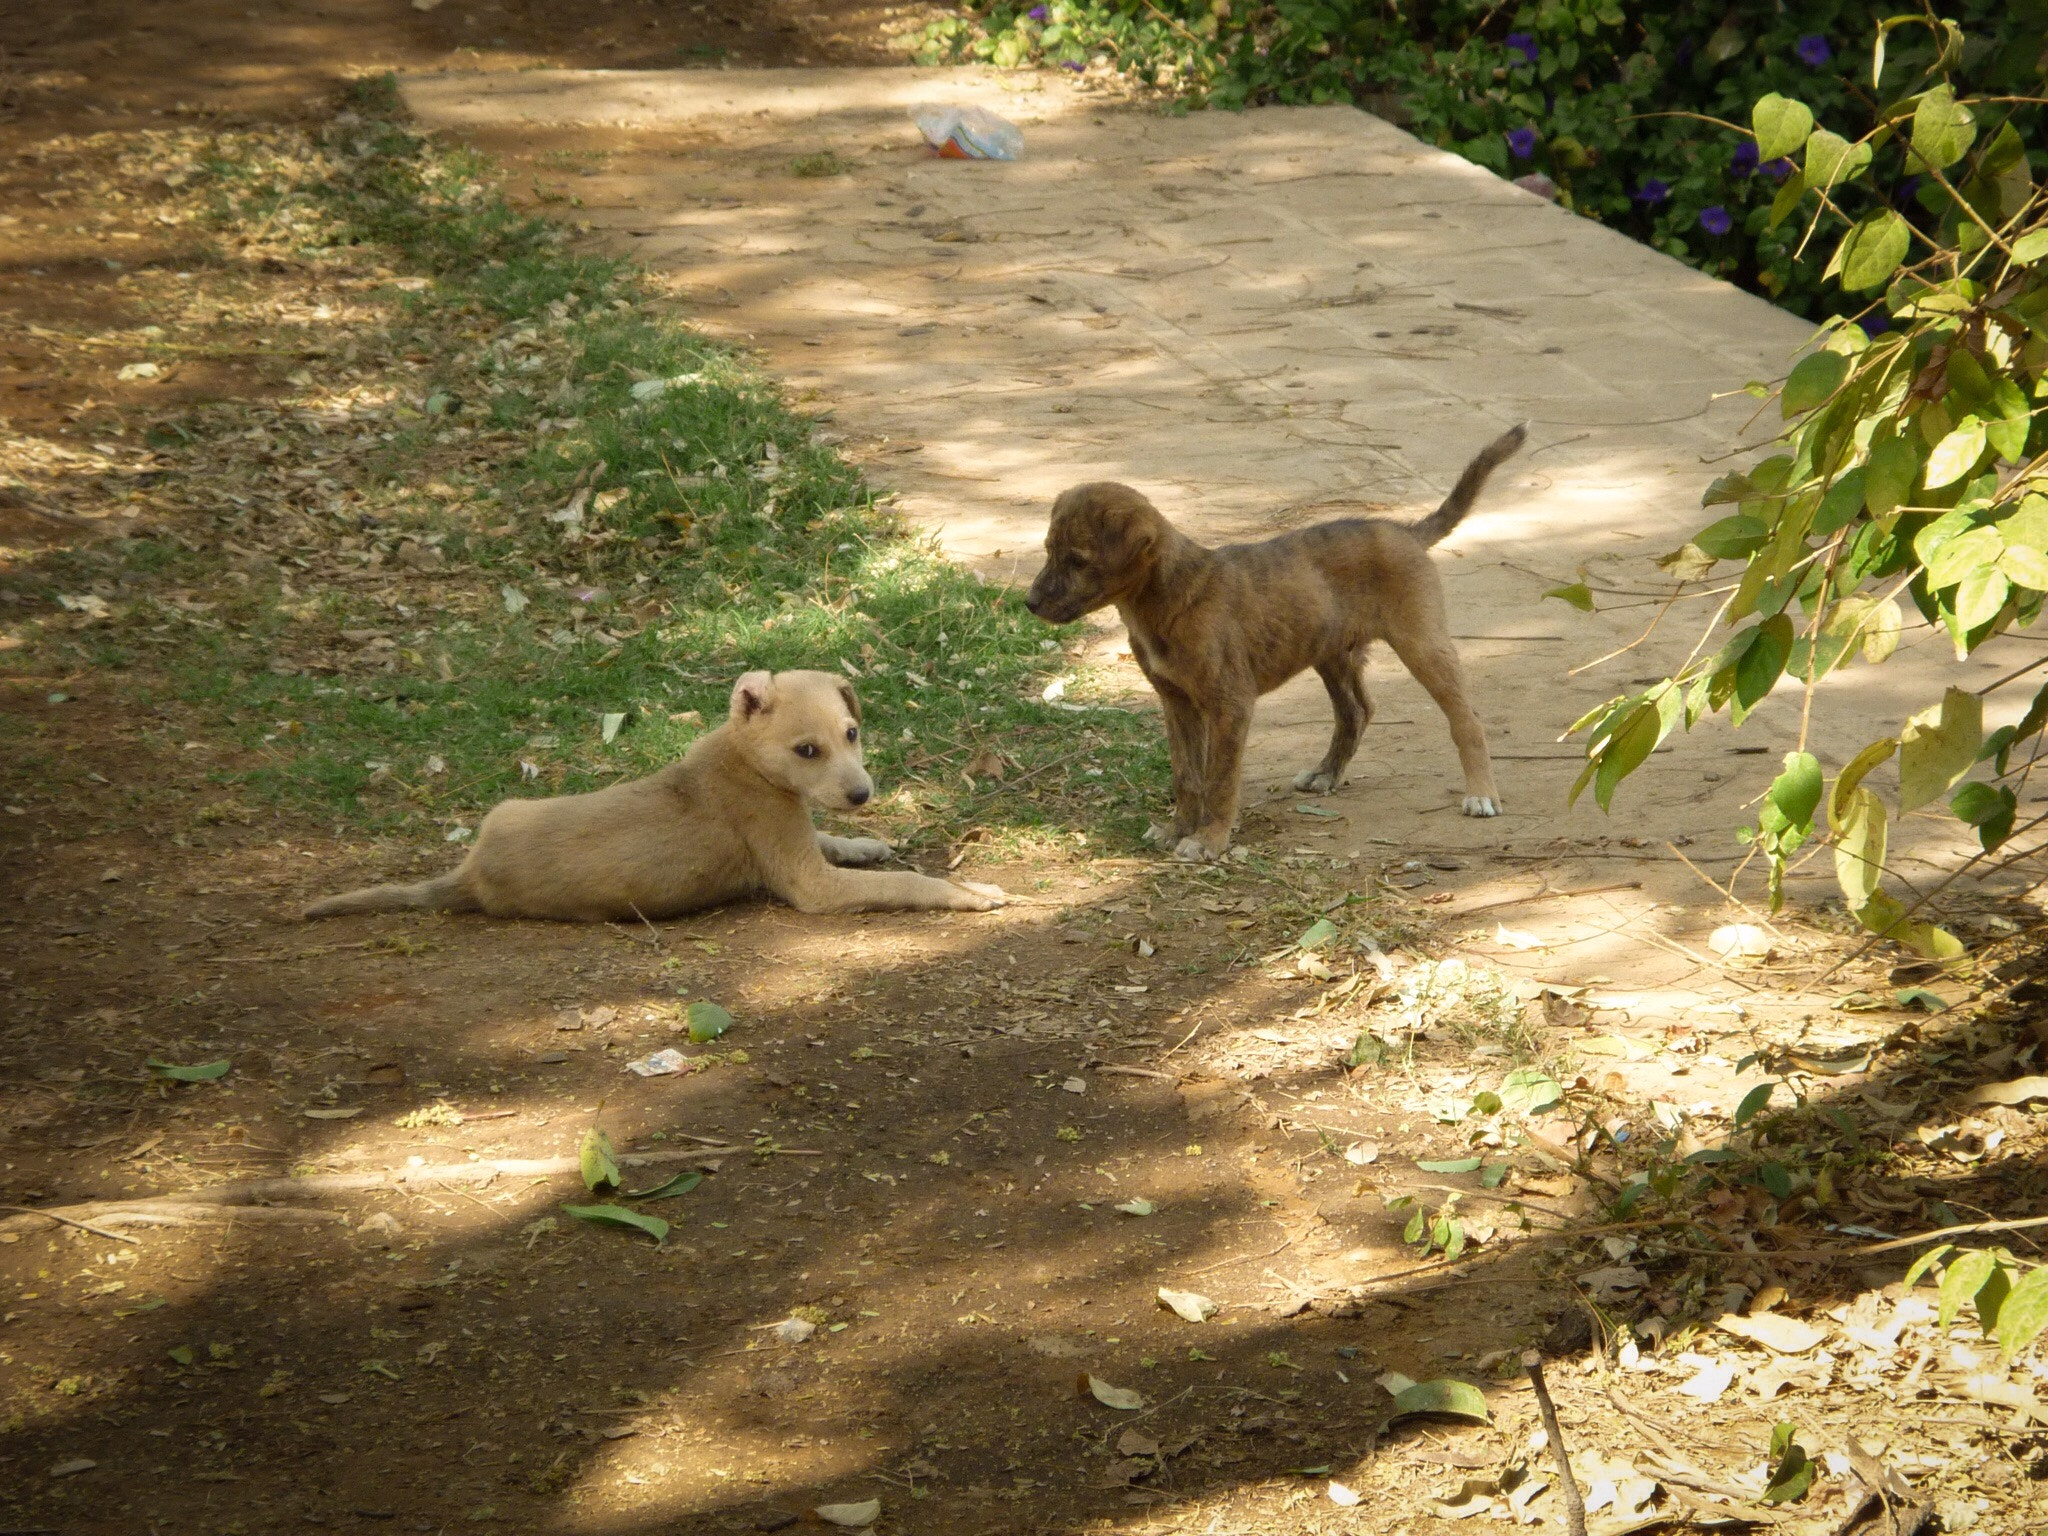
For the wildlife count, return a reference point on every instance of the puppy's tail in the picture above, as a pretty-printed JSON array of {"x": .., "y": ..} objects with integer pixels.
[
  {"x": 1439, "y": 523},
  {"x": 446, "y": 894}
]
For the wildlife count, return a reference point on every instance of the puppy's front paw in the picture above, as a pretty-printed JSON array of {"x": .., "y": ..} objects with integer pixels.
[
  {"x": 1314, "y": 781},
  {"x": 1192, "y": 850},
  {"x": 982, "y": 898},
  {"x": 1481, "y": 805},
  {"x": 1159, "y": 835},
  {"x": 863, "y": 850}
]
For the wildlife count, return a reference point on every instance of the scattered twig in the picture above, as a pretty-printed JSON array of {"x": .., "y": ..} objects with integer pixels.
[
  {"x": 1727, "y": 894},
  {"x": 653, "y": 933},
  {"x": 1574, "y": 1501},
  {"x": 69, "y": 1221},
  {"x": 1249, "y": 1258},
  {"x": 1542, "y": 895}
]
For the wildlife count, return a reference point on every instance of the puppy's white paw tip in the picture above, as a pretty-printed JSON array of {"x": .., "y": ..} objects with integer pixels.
[
  {"x": 1157, "y": 835},
  {"x": 1192, "y": 850},
  {"x": 1481, "y": 805},
  {"x": 994, "y": 895},
  {"x": 1313, "y": 782}
]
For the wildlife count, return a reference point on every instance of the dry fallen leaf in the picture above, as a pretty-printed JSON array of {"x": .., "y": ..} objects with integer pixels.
[
  {"x": 865, "y": 1513},
  {"x": 1135, "y": 1442},
  {"x": 1785, "y": 1335},
  {"x": 1736, "y": 939},
  {"x": 2018, "y": 1091},
  {"x": 1339, "y": 1494},
  {"x": 1190, "y": 1305},
  {"x": 1120, "y": 1398},
  {"x": 1710, "y": 1378}
]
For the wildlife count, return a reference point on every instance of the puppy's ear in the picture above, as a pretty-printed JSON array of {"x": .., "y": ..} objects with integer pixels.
[
  {"x": 753, "y": 695},
  {"x": 852, "y": 699},
  {"x": 1134, "y": 528}
]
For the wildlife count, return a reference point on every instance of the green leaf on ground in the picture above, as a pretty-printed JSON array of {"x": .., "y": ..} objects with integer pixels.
[
  {"x": 204, "y": 1072},
  {"x": 619, "y": 1216},
  {"x": 1449, "y": 1165},
  {"x": 681, "y": 1184},
  {"x": 1577, "y": 593},
  {"x": 707, "y": 1022},
  {"x": 1529, "y": 1090},
  {"x": 600, "y": 1165},
  {"x": 1455, "y": 1399},
  {"x": 1318, "y": 933}
]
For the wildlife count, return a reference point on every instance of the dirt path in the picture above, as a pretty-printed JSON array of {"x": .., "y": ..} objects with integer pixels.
[{"x": 960, "y": 1155}]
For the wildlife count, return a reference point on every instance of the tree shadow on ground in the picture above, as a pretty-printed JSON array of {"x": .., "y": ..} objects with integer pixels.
[{"x": 958, "y": 1236}]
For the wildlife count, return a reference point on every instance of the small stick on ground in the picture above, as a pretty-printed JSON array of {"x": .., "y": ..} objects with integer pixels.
[
  {"x": 29, "y": 1210},
  {"x": 1574, "y": 1501}
]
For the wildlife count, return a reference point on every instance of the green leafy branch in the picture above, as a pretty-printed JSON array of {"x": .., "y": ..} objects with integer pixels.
[{"x": 1912, "y": 469}]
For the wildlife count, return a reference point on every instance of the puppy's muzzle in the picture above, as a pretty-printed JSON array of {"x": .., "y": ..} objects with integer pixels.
[{"x": 1052, "y": 609}]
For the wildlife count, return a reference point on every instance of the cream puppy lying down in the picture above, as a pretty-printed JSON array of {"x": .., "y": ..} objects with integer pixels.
[{"x": 733, "y": 818}]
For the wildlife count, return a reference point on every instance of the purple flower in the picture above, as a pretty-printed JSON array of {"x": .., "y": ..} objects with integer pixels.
[
  {"x": 1872, "y": 324},
  {"x": 1715, "y": 220},
  {"x": 1524, "y": 44},
  {"x": 1813, "y": 50},
  {"x": 1521, "y": 142},
  {"x": 1777, "y": 169},
  {"x": 1745, "y": 158},
  {"x": 1652, "y": 192},
  {"x": 1037, "y": 13},
  {"x": 1907, "y": 189}
]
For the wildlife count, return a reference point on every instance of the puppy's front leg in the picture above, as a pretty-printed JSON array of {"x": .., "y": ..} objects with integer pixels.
[
  {"x": 1223, "y": 759},
  {"x": 852, "y": 850},
  {"x": 826, "y": 889}
]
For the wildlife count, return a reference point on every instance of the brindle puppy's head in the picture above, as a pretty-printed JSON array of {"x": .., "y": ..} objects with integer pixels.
[
  {"x": 801, "y": 731},
  {"x": 1100, "y": 545}
]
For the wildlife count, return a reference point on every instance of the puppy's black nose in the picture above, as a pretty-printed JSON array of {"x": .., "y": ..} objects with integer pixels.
[
  {"x": 858, "y": 796},
  {"x": 1032, "y": 600}
]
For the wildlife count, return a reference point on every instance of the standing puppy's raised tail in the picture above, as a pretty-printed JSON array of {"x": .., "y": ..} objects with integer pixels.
[
  {"x": 1439, "y": 523},
  {"x": 446, "y": 894}
]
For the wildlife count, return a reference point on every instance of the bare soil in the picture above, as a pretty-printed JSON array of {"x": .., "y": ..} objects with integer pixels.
[{"x": 921, "y": 1128}]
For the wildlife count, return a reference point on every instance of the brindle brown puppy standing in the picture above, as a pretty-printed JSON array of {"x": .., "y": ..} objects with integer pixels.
[{"x": 1215, "y": 628}]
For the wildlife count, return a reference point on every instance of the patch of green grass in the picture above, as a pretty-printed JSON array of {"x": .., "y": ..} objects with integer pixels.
[
  {"x": 652, "y": 520},
  {"x": 823, "y": 163}
]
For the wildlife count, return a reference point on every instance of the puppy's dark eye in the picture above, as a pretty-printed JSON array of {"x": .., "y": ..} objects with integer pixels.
[
  {"x": 852, "y": 733},
  {"x": 806, "y": 749}
]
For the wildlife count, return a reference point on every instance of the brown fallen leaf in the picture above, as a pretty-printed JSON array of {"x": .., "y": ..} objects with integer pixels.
[
  {"x": 2018, "y": 1091},
  {"x": 1784, "y": 1335}
]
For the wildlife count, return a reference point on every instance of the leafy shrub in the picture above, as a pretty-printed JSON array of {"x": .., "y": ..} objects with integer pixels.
[
  {"x": 1611, "y": 101},
  {"x": 1913, "y": 469}
]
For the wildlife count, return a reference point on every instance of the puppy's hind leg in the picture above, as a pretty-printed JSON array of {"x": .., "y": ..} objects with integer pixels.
[
  {"x": 448, "y": 893},
  {"x": 1352, "y": 708},
  {"x": 1434, "y": 664}
]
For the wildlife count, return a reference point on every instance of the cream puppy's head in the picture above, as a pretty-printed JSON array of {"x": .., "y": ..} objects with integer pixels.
[{"x": 801, "y": 731}]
